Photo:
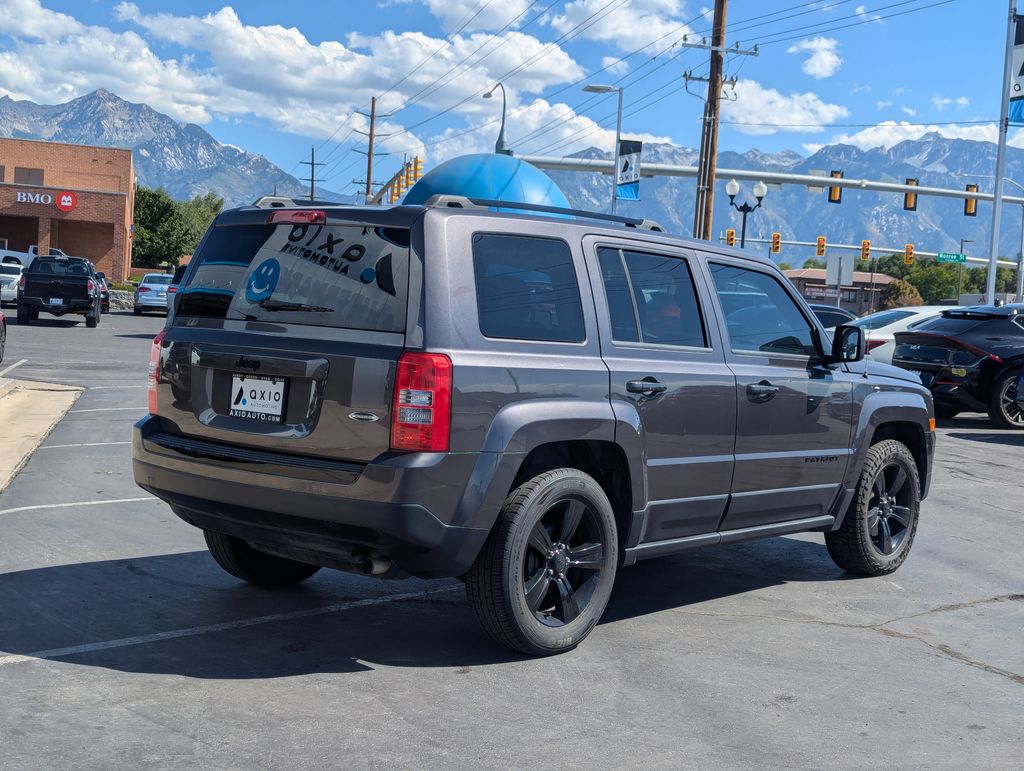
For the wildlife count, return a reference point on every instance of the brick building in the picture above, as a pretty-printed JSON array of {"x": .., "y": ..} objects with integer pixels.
[
  {"x": 73, "y": 197},
  {"x": 856, "y": 297}
]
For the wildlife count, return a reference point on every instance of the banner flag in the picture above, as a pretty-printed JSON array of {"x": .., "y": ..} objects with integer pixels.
[{"x": 628, "y": 174}]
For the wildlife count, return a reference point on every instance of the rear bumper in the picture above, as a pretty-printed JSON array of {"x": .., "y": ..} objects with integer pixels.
[
  {"x": 68, "y": 306},
  {"x": 144, "y": 301},
  {"x": 405, "y": 507}
]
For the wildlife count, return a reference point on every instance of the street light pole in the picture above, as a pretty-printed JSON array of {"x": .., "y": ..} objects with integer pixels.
[
  {"x": 500, "y": 146},
  {"x": 960, "y": 269},
  {"x": 595, "y": 89},
  {"x": 732, "y": 188},
  {"x": 1020, "y": 258}
]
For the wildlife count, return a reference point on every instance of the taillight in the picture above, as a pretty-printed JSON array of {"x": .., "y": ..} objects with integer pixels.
[
  {"x": 90, "y": 285},
  {"x": 21, "y": 281},
  {"x": 172, "y": 289},
  {"x": 421, "y": 413},
  {"x": 142, "y": 289},
  {"x": 298, "y": 217},
  {"x": 873, "y": 344},
  {"x": 153, "y": 371}
]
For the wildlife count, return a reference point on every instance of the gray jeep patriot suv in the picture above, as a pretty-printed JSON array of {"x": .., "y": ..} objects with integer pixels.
[{"x": 527, "y": 402}]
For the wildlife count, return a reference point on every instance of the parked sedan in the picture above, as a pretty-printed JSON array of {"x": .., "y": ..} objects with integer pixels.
[
  {"x": 971, "y": 359},
  {"x": 104, "y": 293},
  {"x": 151, "y": 293},
  {"x": 9, "y": 275},
  {"x": 881, "y": 327},
  {"x": 832, "y": 316}
]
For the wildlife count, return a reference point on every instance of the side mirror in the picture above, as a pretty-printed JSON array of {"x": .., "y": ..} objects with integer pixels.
[{"x": 848, "y": 344}]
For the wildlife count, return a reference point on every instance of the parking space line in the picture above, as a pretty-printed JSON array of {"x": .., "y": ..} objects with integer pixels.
[
  {"x": 107, "y": 388},
  {"x": 107, "y": 409},
  {"x": 82, "y": 444},
  {"x": 8, "y": 369},
  {"x": 16, "y": 509},
  {"x": 226, "y": 626}
]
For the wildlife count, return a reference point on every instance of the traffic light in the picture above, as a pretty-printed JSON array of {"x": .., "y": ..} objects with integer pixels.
[
  {"x": 417, "y": 168},
  {"x": 730, "y": 236},
  {"x": 865, "y": 249},
  {"x": 776, "y": 243},
  {"x": 910, "y": 199},
  {"x": 908, "y": 254},
  {"x": 399, "y": 186},
  {"x": 408, "y": 175},
  {"x": 971, "y": 204},
  {"x": 820, "y": 250},
  {"x": 835, "y": 194}
]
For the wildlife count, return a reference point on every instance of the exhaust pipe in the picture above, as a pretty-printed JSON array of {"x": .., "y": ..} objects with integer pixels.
[{"x": 376, "y": 566}]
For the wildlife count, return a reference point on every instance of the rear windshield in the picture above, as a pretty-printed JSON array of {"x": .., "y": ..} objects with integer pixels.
[
  {"x": 950, "y": 325},
  {"x": 59, "y": 266},
  {"x": 883, "y": 319},
  {"x": 335, "y": 275},
  {"x": 156, "y": 278},
  {"x": 9, "y": 270}
]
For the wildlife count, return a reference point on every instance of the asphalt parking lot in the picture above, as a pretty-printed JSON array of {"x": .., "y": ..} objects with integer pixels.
[{"x": 123, "y": 645}]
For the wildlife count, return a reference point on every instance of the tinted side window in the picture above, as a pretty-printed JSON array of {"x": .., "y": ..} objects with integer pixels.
[
  {"x": 831, "y": 319},
  {"x": 657, "y": 296},
  {"x": 759, "y": 313},
  {"x": 526, "y": 288}
]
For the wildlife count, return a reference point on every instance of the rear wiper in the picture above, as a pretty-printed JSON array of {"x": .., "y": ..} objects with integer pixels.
[{"x": 277, "y": 305}]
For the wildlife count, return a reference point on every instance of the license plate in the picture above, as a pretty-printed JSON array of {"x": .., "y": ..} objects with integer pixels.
[
  {"x": 55, "y": 301},
  {"x": 257, "y": 397}
]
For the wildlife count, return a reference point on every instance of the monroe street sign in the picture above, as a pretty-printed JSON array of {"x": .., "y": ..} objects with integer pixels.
[{"x": 950, "y": 257}]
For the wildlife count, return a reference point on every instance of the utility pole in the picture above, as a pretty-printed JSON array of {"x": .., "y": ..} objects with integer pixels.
[
  {"x": 312, "y": 163},
  {"x": 704, "y": 207},
  {"x": 1004, "y": 124},
  {"x": 372, "y": 136}
]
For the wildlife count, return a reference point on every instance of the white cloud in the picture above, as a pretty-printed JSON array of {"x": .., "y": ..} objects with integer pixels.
[
  {"x": 962, "y": 101},
  {"x": 941, "y": 102},
  {"x": 862, "y": 11},
  {"x": 889, "y": 133},
  {"x": 567, "y": 133},
  {"x": 28, "y": 19},
  {"x": 908, "y": 110},
  {"x": 614, "y": 65},
  {"x": 823, "y": 61},
  {"x": 755, "y": 104},
  {"x": 453, "y": 14},
  {"x": 858, "y": 89},
  {"x": 625, "y": 25},
  {"x": 881, "y": 104},
  {"x": 270, "y": 72}
]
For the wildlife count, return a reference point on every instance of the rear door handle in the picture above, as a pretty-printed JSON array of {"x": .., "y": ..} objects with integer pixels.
[
  {"x": 763, "y": 390},
  {"x": 646, "y": 387}
]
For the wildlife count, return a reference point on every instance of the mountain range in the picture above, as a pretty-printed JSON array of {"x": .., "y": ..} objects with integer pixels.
[
  {"x": 801, "y": 215},
  {"x": 186, "y": 160},
  {"x": 182, "y": 158}
]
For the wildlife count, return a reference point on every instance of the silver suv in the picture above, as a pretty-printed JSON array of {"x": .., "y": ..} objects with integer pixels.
[{"x": 524, "y": 401}]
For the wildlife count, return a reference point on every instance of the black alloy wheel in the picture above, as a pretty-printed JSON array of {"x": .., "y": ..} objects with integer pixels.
[
  {"x": 563, "y": 562},
  {"x": 890, "y": 512},
  {"x": 543, "y": 578}
]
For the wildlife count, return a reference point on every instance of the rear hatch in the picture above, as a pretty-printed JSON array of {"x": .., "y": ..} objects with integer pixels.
[
  {"x": 57, "y": 280},
  {"x": 285, "y": 334},
  {"x": 938, "y": 350}
]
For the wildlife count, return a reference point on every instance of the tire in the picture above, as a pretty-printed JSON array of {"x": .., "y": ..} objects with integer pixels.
[
  {"x": 565, "y": 600},
  {"x": 137, "y": 311},
  {"x": 24, "y": 316},
  {"x": 946, "y": 413},
  {"x": 854, "y": 547},
  {"x": 1002, "y": 408},
  {"x": 92, "y": 320},
  {"x": 243, "y": 561}
]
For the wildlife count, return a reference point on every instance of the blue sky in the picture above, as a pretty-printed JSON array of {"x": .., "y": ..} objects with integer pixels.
[{"x": 276, "y": 78}]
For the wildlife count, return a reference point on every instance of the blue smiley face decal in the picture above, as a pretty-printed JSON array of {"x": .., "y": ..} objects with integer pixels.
[{"x": 263, "y": 281}]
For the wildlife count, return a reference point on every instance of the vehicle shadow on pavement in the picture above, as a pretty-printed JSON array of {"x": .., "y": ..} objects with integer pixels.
[
  {"x": 1011, "y": 438},
  {"x": 49, "y": 322},
  {"x": 179, "y": 614}
]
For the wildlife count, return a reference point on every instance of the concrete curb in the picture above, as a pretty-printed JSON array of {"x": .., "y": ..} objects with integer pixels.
[{"x": 28, "y": 413}]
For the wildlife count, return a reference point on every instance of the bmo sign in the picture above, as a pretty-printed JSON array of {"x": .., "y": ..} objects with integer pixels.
[{"x": 65, "y": 201}]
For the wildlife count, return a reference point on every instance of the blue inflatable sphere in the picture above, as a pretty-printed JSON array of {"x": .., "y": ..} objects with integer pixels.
[{"x": 489, "y": 176}]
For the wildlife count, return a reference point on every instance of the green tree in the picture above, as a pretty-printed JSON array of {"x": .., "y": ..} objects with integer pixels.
[
  {"x": 161, "y": 232},
  {"x": 899, "y": 294},
  {"x": 935, "y": 282},
  {"x": 814, "y": 262},
  {"x": 785, "y": 266},
  {"x": 198, "y": 214}
]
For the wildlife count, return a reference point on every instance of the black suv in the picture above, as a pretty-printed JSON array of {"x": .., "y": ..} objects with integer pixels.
[
  {"x": 971, "y": 358},
  {"x": 526, "y": 402}
]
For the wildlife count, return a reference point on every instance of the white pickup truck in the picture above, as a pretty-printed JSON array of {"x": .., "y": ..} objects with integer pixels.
[{"x": 9, "y": 256}]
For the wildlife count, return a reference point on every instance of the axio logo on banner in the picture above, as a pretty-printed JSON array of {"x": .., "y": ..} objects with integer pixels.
[{"x": 627, "y": 176}]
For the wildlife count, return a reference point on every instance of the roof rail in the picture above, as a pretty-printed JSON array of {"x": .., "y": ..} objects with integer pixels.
[
  {"x": 462, "y": 202},
  {"x": 281, "y": 201}
]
